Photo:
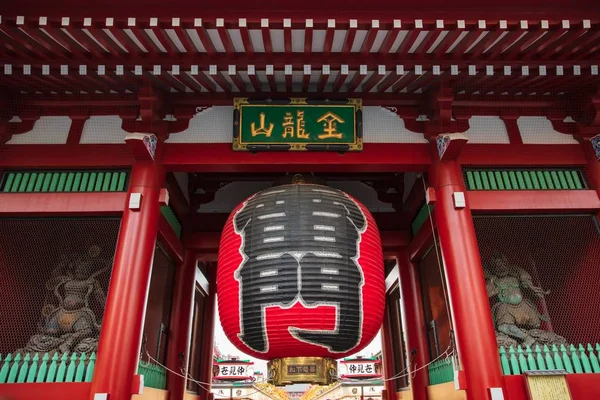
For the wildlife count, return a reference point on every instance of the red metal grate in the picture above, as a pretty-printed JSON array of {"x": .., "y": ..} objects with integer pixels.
[
  {"x": 558, "y": 254},
  {"x": 55, "y": 275}
]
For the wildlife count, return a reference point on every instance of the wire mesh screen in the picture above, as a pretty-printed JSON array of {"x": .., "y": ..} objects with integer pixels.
[
  {"x": 158, "y": 307},
  {"x": 543, "y": 277},
  {"x": 55, "y": 276}
]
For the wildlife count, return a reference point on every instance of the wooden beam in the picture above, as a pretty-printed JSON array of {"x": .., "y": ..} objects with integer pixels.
[
  {"x": 522, "y": 155},
  {"x": 170, "y": 241},
  {"x": 528, "y": 201},
  {"x": 177, "y": 199},
  {"x": 219, "y": 157},
  {"x": 422, "y": 240},
  {"x": 56, "y": 204},
  {"x": 65, "y": 156}
]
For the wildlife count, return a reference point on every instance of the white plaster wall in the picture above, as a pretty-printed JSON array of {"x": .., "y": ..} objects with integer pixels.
[
  {"x": 383, "y": 126},
  {"x": 487, "y": 130},
  {"x": 213, "y": 125},
  {"x": 103, "y": 129},
  {"x": 46, "y": 130},
  {"x": 539, "y": 130}
]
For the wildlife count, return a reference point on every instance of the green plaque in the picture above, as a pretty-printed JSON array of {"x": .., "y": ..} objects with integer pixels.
[{"x": 297, "y": 125}]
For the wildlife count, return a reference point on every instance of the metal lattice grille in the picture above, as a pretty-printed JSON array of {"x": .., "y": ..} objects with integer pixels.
[
  {"x": 64, "y": 181},
  {"x": 55, "y": 276},
  {"x": 542, "y": 275},
  {"x": 524, "y": 179}
]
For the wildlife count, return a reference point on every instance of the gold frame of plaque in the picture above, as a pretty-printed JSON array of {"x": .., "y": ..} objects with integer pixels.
[
  {"x": 315, "y": 370},
  {"x": 547, "y": 385}
]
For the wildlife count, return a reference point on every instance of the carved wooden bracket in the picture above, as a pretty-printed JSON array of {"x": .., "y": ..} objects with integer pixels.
[
  {"x": 8, "y": 129},
  {"x": 203, "y": 192},
  {"x": 152, "y": 116},
  {"x": 449, "y": 145},
  {"x": 4, "y": 136},
  {"x": 441, "y": 104},
  {"x": 78, "y": 118},
  {"x": 567, "y": 128},
  {"x": 431, "y": 129},
  {"x": 390, "y": 190},
  {"x": 587, "y": 115},
  {"x": 441, "y": 118},
  {"x": 512, "y": 128},
  {"x": 595, "y": 142},
  {"x": 142, "y": 145}
]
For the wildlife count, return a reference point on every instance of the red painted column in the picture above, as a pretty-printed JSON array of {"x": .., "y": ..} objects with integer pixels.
[
  {"x": 592, "y": 169},
  {"x": 388, "y": 357},
  {"x": 414, "y": 325},
  {"x": 209, "y": 326},
  {"x": 178, "y": 351},
  {"x": 471, "y": 315},
  {"x": 120, "y": 338}
]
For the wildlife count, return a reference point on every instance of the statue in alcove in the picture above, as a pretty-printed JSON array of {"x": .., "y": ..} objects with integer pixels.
[
  {"x": 516, "y": 317},
  {"x": 68, "y": 323}
]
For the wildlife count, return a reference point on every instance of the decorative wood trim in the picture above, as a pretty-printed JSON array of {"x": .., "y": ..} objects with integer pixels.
[
  {"x": 170, "y": 241},
  {"x": 56, "y": 204},
  {"x": 528, "y": 201}
]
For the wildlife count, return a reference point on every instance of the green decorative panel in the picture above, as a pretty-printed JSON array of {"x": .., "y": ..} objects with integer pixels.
[
  {"x": 575, "y": 359},
  {"x": 41, "y": 368},
  {"x": 441, "y": 371},
  {"x": 297, "y": 124},
  {"x": 172, "y": 219},
  {"x": 64, "y": 181},
  {"x": 421, "y": 217},
  {"x": 155, "y": 376},
  {"x": 524, "y": 179},
  {"x": 516, "y": 360}
]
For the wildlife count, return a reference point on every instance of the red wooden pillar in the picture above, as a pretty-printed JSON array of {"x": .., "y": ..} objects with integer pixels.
[
  {"x": 178, "y": 351},
  {"x": 414, "y": 325},
  {"x": 120, "y": 338},
  {"x": 209, "y": 326},
  {"x": 592, "y": 169},
  {"x": 471, "y": 315},
  {"x": 388, "y": 356}
]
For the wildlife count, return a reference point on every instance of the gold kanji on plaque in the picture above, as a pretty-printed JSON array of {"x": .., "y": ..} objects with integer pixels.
[
  {"x": 261, "y": 130},
  {"x": 330, "y": 122},
  {"x": 302, "y": 134},
  {"x": 288, "y": 125}
]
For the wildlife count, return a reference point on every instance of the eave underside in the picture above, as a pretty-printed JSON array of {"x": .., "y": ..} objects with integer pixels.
[{"x": 251, "y": 56}]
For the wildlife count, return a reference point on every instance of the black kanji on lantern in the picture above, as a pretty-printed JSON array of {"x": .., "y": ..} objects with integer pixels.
[{"x": 300, "y": 242}]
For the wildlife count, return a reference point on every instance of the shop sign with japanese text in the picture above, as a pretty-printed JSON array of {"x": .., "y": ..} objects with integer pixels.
[
  {"x": 233, "y": 371},
  {"x": 297, "y": 124},
  {"x": 360, "y": 369}
]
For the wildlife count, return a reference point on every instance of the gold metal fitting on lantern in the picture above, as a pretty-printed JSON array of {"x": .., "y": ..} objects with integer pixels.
[{"x": 315, "y": 370}]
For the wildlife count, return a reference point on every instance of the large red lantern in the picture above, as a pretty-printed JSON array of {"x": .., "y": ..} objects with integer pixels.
[{"x": 300, "y": 274}]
